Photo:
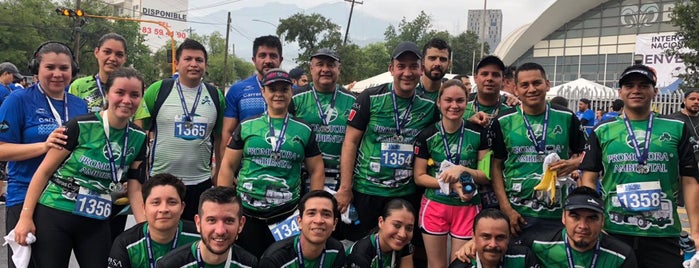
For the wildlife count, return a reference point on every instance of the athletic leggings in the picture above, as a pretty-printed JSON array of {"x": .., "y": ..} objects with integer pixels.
[{"x": 58, "y": 232}]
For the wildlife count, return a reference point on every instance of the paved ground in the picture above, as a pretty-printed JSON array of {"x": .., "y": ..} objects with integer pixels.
[{"x": 3, "y": 250}]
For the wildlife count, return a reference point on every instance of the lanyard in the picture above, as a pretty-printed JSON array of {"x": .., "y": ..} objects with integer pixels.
[
  {"x": 151, "y": 259},
  {"x": 379, "y": 256},
  {"x": 299, "y": 253},
  {"x": 400, "y": 122},
  {"x": 200, "y": 261},
  {"x": 98, "y": 81},
  {"x": 56, "y": 116},
  {"x": 569, "y": 253},
  {"x": 280, "y": 140},
  {"x": 478, "y": 262},
  {"x": 323, "y": 115},
  {"x": 188, "y": 116},
  {"x": 454, "y": 159},
  {"x": 539, "y": 146},
  {"x": 495, "y": 113},
  {"x": 642, "y": 157},
  {"x": 116, "y": 173}
]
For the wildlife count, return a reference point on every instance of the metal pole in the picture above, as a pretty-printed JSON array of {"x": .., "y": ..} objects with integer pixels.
[
  {"x": 473, "y": 63},
  {"x": 225, "y": 59},
  {"x": 485, "y": 2},
  {"x": 344, "y": 42},
  {"x": 76, "y": 35}
]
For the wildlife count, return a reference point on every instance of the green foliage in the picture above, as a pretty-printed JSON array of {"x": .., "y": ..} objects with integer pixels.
[
  {"x": 215, "y": 45},
  {"x": 311, "y": 32},
  {"x": 463, "y": 46},
  {"x": 684, "y": 17}
]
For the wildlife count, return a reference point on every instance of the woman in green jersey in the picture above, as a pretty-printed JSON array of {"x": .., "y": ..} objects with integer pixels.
[
  {"x": 446, "y": 155},
  {"x": 69, "y": 197},
  {"x": 270, "y": 149}
]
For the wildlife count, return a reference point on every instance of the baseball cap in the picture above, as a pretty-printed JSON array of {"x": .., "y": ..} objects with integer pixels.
[
  {"x": 326, "y": 52},
  {"x": 638, "y": 70},
  {"x": 404, "y": 47},
  {"x": 296, "y": 73},
  {"x": 490, "y": 59},
  {"x": 7, "y": 67},
  {"x": 276, "y": 75},
  {"x": 578, "y": 201}
]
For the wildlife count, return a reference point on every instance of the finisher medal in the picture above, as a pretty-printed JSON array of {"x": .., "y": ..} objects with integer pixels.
[{"x": 642, "y": 169}]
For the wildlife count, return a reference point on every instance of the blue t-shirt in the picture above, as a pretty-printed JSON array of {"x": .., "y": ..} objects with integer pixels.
[
  {"x": 25, "y": 117},
  {"x": 589, "y": 115},
  {"x": 609, "y": 115},
  {"x": 244, "y": 99},
  {"x": 5, "y": 91}
]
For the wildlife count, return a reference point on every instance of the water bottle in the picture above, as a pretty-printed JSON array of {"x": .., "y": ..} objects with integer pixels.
[
  {"x": 353, "y": 215},
  {"x": 687, "y": 245},
  {"x": 467, "y": 183}
]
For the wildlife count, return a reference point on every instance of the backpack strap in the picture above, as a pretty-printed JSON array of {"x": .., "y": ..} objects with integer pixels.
[{"x": 163, "y": 92}]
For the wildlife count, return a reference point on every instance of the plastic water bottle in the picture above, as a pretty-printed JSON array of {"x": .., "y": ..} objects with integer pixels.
[
  {"x": 467, "y": 183},
  {"x": 687, "y": 245},
  {"x": 353, "y": 215}
]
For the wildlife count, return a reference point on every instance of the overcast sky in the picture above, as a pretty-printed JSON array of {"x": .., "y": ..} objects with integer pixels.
[{"x": 450, "y": 15}]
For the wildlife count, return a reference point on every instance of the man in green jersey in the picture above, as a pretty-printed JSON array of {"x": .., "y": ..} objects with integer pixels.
[
  {"x": 163, "y": 231},
  {"x": 325, "y": 106},
  {"x": 521, "y": 138},
  {"x": 219, "y": 221},
  {"x": 491, "y": 245},
  {"x": 376, "y": 159},
  {"x": 582, "y": 243},
  {"x": 436, "y": 61},
  {"x": 313, "y": 247},
  {"x": 488, "y": 103},
  {"x": 645, "y": 159}
]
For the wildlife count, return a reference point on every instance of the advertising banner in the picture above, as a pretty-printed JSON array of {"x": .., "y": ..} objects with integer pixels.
[{"x": 653, "y": 47}]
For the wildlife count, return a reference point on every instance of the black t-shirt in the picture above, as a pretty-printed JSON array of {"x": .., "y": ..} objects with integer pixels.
[{"x": 284, "y": 254}]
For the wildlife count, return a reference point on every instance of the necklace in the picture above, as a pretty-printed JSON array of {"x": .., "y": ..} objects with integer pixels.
[{"x": 694, "y": 127}]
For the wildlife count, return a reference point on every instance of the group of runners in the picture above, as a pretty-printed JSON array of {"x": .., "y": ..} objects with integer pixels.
[{"x": 401, "y": 172}]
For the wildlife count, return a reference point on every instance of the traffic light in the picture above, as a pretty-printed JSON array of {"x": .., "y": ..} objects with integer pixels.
[{"x": 70, "y": 12}]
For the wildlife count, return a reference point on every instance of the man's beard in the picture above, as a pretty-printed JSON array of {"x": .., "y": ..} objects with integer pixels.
[{"x": 437, "y": 77}]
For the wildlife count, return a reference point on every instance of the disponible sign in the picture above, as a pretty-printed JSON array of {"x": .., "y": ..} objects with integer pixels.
[
  {"x": 653, "y": 47},
  {"x": 164, "y": 14}
]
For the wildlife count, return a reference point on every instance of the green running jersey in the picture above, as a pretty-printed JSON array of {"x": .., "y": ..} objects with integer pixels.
[
  {"x": 88, "y": 165},
  {"x": 641, "y": 204},
  {"x": 267, "y": 181},
  {"x": 523, "y": 165},
  {"x": 384, "y": 159},
  {"x": 86, "y": 88},
  {"x": 551, "y": 252},
  {"x": 329, "y": 137},
  {"x": 493, "y": 111},
  {"x": 429, "y": 144},
  {"x": 130, "y": 248}
]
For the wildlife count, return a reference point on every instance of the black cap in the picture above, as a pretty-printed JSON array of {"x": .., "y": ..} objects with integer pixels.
[
  {"x": 276, "y": 75},
  {"x": 490, "y": 59},
  {"x": 638, "y": 70},
  {"x": 585, "y": 201},
  {"x": 326, "y": 52},
  {"x": 406, "y": 46}
]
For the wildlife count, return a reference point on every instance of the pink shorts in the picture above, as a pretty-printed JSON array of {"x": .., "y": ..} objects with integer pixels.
[{"x": 440, "y": 219}]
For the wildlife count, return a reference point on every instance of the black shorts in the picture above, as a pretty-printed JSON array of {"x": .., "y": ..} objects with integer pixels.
[{"x": 654, "y": 251}]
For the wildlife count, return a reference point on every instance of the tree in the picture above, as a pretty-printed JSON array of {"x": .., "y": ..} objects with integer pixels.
[
  {"x": 684, "y": 17},
  {"x": 418, "y": 30},
  {"x": 311, "y": 32},
  {"x": 462, "y": 47},
  {"x": 216, "y": 50}
]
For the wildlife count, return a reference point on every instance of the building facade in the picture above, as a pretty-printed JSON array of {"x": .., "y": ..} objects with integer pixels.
[
  {"x": 493, "y": 25},
  {"x": 596, "y": 40},
  {"x": 171, "y": 13}
]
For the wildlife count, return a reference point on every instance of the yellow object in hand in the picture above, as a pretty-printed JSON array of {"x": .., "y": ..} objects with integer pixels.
[{"x": 548, "y": 183}]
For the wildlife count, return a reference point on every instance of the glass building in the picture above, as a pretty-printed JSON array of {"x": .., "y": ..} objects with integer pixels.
[{"x": 588, "y": 39}]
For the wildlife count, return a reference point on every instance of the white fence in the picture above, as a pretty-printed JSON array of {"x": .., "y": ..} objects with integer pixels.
[{"x": 663, "y": 103}]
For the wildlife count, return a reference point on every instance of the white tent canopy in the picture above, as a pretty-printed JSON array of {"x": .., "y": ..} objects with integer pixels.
[
  {"x": 381, "y": 79},
  {"x": 581, "y": 84}
]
